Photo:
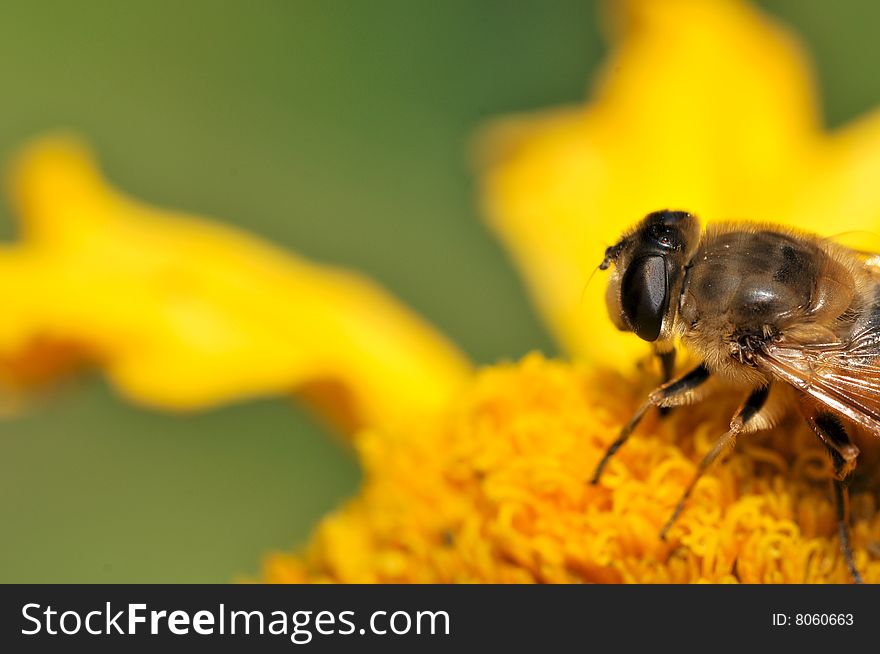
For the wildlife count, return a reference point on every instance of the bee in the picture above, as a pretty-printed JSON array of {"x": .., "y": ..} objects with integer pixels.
[{"x": 790, "y": 319}]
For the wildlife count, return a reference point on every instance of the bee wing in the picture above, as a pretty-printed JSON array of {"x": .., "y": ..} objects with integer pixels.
[
  {"x": 870, "y": 261},
  {"x": 844, "y": 376}
]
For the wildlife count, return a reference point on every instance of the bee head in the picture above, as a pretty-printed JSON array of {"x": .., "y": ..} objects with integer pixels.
[{"x": 649, "y": 263}]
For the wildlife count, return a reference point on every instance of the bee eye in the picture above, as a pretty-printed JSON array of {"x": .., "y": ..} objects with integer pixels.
[
  {"x": 664, "y": 236},
  {"x": 644, "y": 296}
]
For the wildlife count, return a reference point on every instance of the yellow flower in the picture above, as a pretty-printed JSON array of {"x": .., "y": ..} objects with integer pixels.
[
  {"x": 704, "y": 105},
  {"x": 494, "y": 490}
]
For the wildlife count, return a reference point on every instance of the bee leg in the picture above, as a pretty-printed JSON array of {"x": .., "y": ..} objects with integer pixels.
[
  {"x": 670, "y": 394},
  {"x": 667, "y": 366},
  {"x": 834, "y": 437},
  {"x": 667, "y": 363},
  {"x": 747, "y": 419},
  {"x": 841, "y": 505}
]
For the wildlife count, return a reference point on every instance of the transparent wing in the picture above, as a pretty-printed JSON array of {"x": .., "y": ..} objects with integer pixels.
[{"x": 844, "y": 376}]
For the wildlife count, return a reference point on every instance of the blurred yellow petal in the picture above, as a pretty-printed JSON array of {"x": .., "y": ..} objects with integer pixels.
[
  {"x": 182, "y": 313},
  {"x": 704, "y": 105}
]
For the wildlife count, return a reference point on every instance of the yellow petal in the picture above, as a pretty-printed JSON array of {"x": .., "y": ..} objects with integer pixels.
[
  {"x": 704, "y": 105},
  {"x": 183, "y": 313}
]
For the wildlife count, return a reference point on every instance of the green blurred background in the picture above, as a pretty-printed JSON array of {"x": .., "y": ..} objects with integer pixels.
[{"x": 338, "y": 129}]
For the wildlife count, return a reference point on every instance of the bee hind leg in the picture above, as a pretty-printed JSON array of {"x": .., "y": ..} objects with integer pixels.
[
  {"x": 843, "y": 452},
  {"x": 748, "y": 418},
  {"x": 841, "y": 506},
  {"x": 678, "y": 391}
]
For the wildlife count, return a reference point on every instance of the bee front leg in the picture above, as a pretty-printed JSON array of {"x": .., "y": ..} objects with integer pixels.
[
  {"x": 750, "y": 417},
  {"x": 679, "y": 391},
  {"x": 843, "y": 452},
  {"x": 667, "y": 367},
  {"x": 667, "y": 362}
]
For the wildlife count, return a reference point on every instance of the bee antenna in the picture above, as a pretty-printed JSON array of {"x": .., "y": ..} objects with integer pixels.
[
  {"x": 589, "y": 279},
  {"x": 611, "y": 254}
]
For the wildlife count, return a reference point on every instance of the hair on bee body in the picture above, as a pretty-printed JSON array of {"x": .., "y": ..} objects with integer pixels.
[{"x": 789, "y": 318}]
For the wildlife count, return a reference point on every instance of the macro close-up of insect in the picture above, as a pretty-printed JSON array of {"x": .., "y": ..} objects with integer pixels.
[{"x": 789, "y": 320}]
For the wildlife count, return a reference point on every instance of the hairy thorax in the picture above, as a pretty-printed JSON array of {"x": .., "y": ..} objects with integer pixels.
[{"x": 744, "y": 287}]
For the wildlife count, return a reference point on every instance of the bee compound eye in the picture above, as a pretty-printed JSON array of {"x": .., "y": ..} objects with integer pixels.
[{"x": 644, "y": 296}]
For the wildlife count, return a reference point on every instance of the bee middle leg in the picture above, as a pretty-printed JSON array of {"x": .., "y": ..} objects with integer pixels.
[
  {"x": 843, "y": 452},
  {"x": 678, "y": 391},
  {"x": 751, "y": 416}
]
